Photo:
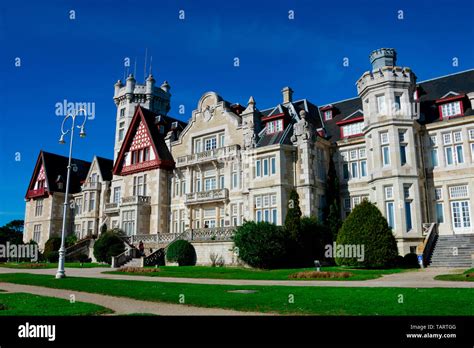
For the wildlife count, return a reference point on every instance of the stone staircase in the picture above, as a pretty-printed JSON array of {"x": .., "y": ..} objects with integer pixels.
[
  {"x": 135, "y": 262},
  {"x": 453, "y": 251}
]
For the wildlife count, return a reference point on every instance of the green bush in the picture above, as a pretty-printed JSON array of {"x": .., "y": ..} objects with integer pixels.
[
  {"x": 262, "y": 244},
  {"x": 107, "y": 245},
  {"x": 71, "y": 240},
  {"x": 410, "y": 260},
  {"x": 51, "y": 249},
  {"x": 366, "y": 226},
  {"x": 182, "y": 252},
  {"x": 293, "y": 215}
]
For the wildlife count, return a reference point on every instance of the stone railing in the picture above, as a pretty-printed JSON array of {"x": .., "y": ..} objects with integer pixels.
[
  {"x": 81, "y": 246},
  {"x": 220, "y": 153},
  {"x": 124, "y": 257},
  {"x": 206, "y": 196},
  {"x": 426, "y": 247},
  {"x": 111, "y": 207},
  {"x": 91, "y": 186},
  {"x": 210, "y": 234},
  {"x": 136, "y": 200}
]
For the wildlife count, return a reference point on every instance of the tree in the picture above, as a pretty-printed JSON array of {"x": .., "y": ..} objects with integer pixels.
[
  {"x": 15, "y": 225},
  {"x": 332, "y": 211},
  {"x": 293, "y": 215},
  {"x": 262, "y": 244},
  {"x": 311, "y": 242},
  {"x": 109, "y": 244},
  {"x": 366, "y": 227}
]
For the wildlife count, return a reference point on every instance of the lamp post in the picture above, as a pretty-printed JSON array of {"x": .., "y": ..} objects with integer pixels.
[{"x": 61, "y": 273}]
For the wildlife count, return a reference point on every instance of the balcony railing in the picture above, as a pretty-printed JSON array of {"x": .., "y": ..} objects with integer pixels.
[
  {"x": 36, "y": 193},
  {"x": 207, "y": 196},
  {"x": 210, "y": 155},
  {"x": 111, "y": 207},
  {"x": 91, "y": 186},
  {"x": 136, "y": 200}
]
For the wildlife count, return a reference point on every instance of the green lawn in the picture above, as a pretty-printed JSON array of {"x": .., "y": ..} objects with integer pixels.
[
  {"x": 467, "y": 276},
  {"x": 41, "y": 265},
  {"x": 19, "y": 304},
  {"x": 256, "y": 274},
  {"x": 277, "y": 299}
]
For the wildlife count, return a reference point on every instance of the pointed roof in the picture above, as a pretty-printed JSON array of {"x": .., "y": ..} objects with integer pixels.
[
  {"x": 56, "y": 165},
  {"x": 105, "y": 167},
  {"x": 164, "y": 159}
]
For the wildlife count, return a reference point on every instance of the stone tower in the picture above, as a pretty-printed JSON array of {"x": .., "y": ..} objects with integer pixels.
[
  {"x": 392, "y": 139},
  {"x": 128, "y": 96}
]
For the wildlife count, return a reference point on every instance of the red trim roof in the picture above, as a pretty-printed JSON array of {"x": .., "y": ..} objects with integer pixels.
[
  {"x": 450, "y": 98},
  {"x": 352, "y": 120}
]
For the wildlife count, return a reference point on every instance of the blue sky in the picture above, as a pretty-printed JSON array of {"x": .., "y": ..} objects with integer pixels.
[{"x": 79, "y": 60}]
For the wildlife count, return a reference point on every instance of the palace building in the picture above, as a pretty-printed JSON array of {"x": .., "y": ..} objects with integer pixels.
[{"x": 405, "y": 145}]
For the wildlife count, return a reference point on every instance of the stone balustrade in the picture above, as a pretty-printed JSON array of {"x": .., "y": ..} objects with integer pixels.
[
  {"x": 207, "y": 196},
  {"x": 217, "y": 154}
]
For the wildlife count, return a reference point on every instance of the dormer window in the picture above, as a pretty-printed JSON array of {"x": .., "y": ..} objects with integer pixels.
[
  {"x": 327, "y": 115},
  {"x": 352, "y": 129},
  {"x": 451, "y": 109},
  {"x": 274, "y": 126}
]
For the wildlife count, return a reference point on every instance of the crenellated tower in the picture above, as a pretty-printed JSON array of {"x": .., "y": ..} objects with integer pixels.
[{"x": 392, "y": 139}]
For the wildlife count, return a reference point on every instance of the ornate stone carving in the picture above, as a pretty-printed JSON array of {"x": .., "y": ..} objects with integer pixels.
[{"x": 301, "y": 129}]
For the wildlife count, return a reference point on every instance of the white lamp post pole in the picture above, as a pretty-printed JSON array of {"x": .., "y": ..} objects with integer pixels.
[{"x": 61, "y": 273}]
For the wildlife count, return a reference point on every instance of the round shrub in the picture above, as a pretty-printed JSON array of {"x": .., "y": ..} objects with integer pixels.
[
  {"x": 109, "y": 244},
  {"x": 262, "y": 244},
  {"x": 410, "y": 260},
  {"x": 182, "y": 252},
  {"x": 366, "y": 226},
  {"x": 51, "y": 249}
]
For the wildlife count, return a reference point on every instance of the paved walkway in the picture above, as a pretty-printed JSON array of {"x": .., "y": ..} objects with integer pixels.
[
  {"x": 414, "y": 279},
  {"x": 122, "y": 305}
]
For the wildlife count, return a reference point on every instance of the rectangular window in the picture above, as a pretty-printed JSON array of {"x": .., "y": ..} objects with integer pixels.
[
  {"x": 451, "y": 109},
  {"x": 221, "y": 181},
  {"x": 408, "y": 215},
  {"x": 345, "y": 171},
  {"x": 439, "y": 213},
  {"x": 438, "y": 193},
  {"x": 363, "y": 168},
  {"x": 128, "y": 222},
  {"x": 273, "y": 165},
  {"x": 37, "y": 233},
  {"x": 92, "y": 201},
  {"x": 449, "y": 155},
  {"x": 384, "y": 138},
  {"x": 221, "y": 140},
  {"x": 117, "y": 193},
  {"x": 388, "y": 192},
  {"x": 347, "y": 204},
  {"x": 265, "y": 167},
  {"x": 390, "y": 215},
  {"x": 459, "y": 191},
  {"x": 122, "y": 112},
  {"x": 447, "y": 139},
  {"x": 403, "y": 154},
  {"x": 472, "y": 152},
  {"x": 197, "y": 146},
  {"x": 210, "y": 143},
  {"x": 352, "y": 129},
  {"x": 121, "y": 131},
  {"x": 434, "y": 157},
  {"x": 258, "y": 169},
  {"x": 235, "y": 180},
  {"x": 381, "y": 104},
  {"x": 327, "y": 115},
  {"x": 209, "y": 184},
  {"x": 386, "y": 155},
  {"x": 457, "y": 137},
  {"x": 397, "y": 103},
  {"x": 198, "y": 185},
  {"x": 39, "y": 207},
  {"x": 459, "y": 154},
  {"x": 354, "y": 170}
]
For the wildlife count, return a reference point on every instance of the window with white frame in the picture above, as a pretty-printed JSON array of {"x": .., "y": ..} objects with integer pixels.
[
  {"x": 274, "y": 126},
  {"x": 471, "y": 143},
  {"x": 397, "y": 104},
  {"x": 128, "y": 222},
  {"x": 90, "y": 228},
  {"x": 122, "y": 112},
  {"x": 139, "y": 185},
  {"x": 403, "y": 147},
  {"x": 92, "y": 201},
  {"x": 121, "y": 131},
  {"x": 117, "y": 194},
  {"x": 385, "y": 148},
  {"x": 354, "y": 163},
  {"x": 459, "y": 191},
  {"x": 381, "y": 108},
  {"x": 210, "y": 143},
  {"x": 265, "y": 166},
  {"x": 461, "y": 214},
  {"x": 388, "y": 192},
  {"x": 78, "y": 206},
  {"x": 327, "y": 115},
  {"x": 37, "y": 233},
  {"x": 439, "y": 206},
  {"x": 352, "y": 129},
  {"x": 451, "y": 109},
  {"x": 408, "y": 206},
  {"x": 453, "y": 148},
  {"x": 266, "y": 208},
  {"x": 39, "y": 207}
]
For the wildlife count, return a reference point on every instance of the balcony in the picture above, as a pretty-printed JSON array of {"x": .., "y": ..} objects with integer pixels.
[
  {"x": 207, "y": 196},
  {"x": 218, "y": 154},
  {"x": 111, "y": 208},
  {"x": 134, "y": 200},
  {"x": 41, "y": 192},
  {"x": 91, "y": 186}
]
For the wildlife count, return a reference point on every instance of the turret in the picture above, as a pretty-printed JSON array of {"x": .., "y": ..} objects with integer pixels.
[
  {"x": 150, "y": 84},
  {"x": 130, "y": 86},
  {"x": 383, "y": 57}
]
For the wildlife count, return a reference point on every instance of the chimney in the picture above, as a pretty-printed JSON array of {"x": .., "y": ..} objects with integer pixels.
[
  {"x": 383, "y": 57},
  {"x": 287, "y": 95}
]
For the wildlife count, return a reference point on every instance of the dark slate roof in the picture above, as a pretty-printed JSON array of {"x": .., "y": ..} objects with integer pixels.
[
  {"x": 105, "y": 167},
  {"x": 430, "y": 91},
  {"x": 56, "y": 165}
]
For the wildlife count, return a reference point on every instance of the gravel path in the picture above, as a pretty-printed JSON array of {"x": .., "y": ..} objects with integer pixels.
[
  {"x": 122, "y": 305},
  {"x": 415, "y": 279}
]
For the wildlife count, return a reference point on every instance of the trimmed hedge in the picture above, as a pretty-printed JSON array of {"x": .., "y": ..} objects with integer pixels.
[
  {"x": 109, "y": 244},
  {"x": 262, "y": 244},
  {"x": 51, "y": 249},
  {"x": 366, "y": 226},
  {"x": 182, "y": 252}
]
